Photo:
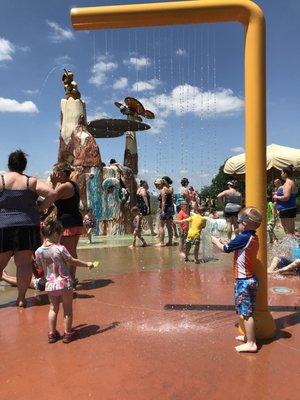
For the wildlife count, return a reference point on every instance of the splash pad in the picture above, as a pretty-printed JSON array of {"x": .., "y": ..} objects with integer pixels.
[{"x": 251, "y": 17}]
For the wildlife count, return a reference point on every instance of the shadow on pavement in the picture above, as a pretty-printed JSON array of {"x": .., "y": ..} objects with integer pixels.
[{"x": 83, "y": 330}]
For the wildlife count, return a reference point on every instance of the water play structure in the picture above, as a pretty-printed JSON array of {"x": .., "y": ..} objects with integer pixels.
[
  {"x": 108, "y": 190},
  {"x": 252, "y": 18}
]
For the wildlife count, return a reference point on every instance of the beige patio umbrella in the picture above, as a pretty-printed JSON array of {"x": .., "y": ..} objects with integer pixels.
[{"x": 277, "y": 158}]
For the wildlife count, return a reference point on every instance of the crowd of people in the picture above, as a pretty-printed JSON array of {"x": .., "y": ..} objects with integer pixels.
[{"x": 44, "y": 244}]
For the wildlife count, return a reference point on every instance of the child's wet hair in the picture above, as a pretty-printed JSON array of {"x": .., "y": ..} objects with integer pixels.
[
  {"x": 200, "y": 208},
  {"x": 51, "y": 227},
  {"x": 254, "y": 215}
]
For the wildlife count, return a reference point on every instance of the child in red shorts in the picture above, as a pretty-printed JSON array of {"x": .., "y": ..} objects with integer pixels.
[{"x": 184, "y": 226}]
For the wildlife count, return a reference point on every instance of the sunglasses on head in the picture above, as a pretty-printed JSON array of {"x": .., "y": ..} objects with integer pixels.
[{"x": 244, "y": 218}]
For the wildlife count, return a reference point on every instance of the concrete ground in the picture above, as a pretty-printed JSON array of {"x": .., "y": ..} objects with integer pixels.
[{"x": 149, "y": 327}]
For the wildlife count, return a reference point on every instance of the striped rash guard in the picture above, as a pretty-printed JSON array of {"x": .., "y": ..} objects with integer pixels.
[{"x": 245, "y": 247}]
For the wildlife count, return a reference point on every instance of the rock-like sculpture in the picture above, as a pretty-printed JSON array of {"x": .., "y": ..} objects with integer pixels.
[{"x": 79, "y": 148}]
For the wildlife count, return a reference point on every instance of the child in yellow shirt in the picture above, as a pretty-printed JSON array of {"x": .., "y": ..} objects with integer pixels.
[{"x": 197, "y": 223}]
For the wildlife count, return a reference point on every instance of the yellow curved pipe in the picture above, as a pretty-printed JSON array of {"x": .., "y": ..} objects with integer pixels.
[{"x": 199, "y": 11}]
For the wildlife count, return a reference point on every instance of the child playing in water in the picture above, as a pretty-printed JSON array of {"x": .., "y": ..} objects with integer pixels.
[
  {"x": 137, "y": 225},
  {"x": 89, "y": 224},
  {"x": 197, "y": 223},
  {"x": 55, "y": 260},
  {"x": 245, "y": 247},
  {"x": 289, "y": 260},
  {"x": 184, "y": 226}
]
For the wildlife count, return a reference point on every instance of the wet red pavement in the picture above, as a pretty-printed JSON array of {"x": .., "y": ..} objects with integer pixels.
[{"x": 150, "y": 327}]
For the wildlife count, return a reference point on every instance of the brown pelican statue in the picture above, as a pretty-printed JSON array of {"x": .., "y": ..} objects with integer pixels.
[{"x": 134, "y": 111}]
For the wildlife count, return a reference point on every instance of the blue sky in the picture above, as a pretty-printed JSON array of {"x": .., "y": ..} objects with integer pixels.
[{"x": 190, "y": 76}]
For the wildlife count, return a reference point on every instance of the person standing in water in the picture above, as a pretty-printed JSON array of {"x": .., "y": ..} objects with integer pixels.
[
  {"x": 245, "y": 247},
  {"x": 285, "y": 199},
  {"x": 143, "y": 204},
  {"x": 19, "y": 219},
  {"x": 166, "y": 211},
  {"x": 89, "y": 224},
  {"x": 68, "y": 212},
  {"x": 197, "y": 223},
  {"x": 137, "y": 227},
  {"x": 170, "y": 182},
  {"x": 183, "y": 226},
  {"x": 232, "y": 199},
  {"x": 56, "y": 261}
]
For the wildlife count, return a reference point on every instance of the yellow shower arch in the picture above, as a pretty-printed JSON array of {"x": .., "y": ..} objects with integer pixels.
[{"x": 199, "y": 11}]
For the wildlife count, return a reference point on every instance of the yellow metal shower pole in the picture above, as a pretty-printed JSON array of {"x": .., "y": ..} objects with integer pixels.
[{"x": 208, "y": 11}]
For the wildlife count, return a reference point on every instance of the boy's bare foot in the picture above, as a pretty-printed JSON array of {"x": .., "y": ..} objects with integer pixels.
[
  {"x": 182, "y": 254},
  {"x": 159, "y": 245},
  {"x": 241, "y": 338},
  {"x": 246, "y": 348},
  {"x": 131, "y": 246}
]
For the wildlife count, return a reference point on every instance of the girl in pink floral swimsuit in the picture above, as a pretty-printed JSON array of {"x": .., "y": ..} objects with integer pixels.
[{"x": 55, "y": 261}]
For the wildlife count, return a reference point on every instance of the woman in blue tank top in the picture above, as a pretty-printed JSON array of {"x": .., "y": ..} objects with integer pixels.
[
  {"x": 285, "y": 198},
  {"x": 19, "y": 219}
]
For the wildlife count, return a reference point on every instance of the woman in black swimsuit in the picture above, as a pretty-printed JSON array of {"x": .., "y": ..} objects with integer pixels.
[
  {"x": 143, "y": 198},
  {"x": 143, "y": 204},
  {"x": 166, "y": 211},
  {"x": 68, "y": 213}
]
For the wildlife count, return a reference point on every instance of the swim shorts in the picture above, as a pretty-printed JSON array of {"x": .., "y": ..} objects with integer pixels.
[
  {"x": 245, "y": 295},
  {"x": 289, "y": 213},
  {"x": 168, "y": 214},
  {"x": 193, "y": 241},
  {"x": 283, "y": 262}
]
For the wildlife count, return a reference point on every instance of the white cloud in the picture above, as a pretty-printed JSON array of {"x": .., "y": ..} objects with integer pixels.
[
  {"x": 59, "y": 34},
  {"x": 120, "y": 83},
  {"x": 7, "y": 49},
  {"x": 185, "y": 99},
  {"x": 237, "y": 149},
  {"x": 100, "y": 70},
  {"x": 157, "y": 125},
  {"x": 181, "y": 52},
  {"x": 31, "y": 92},
  {"x": 142, "y": 86},
  {"x": 25, "y": 49},
  {"x": 10, "y": 105},
  {"x": 63, "y": 61},
  {"x": 138, "y": 62},
  {"x": 98, "y": 113}
]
